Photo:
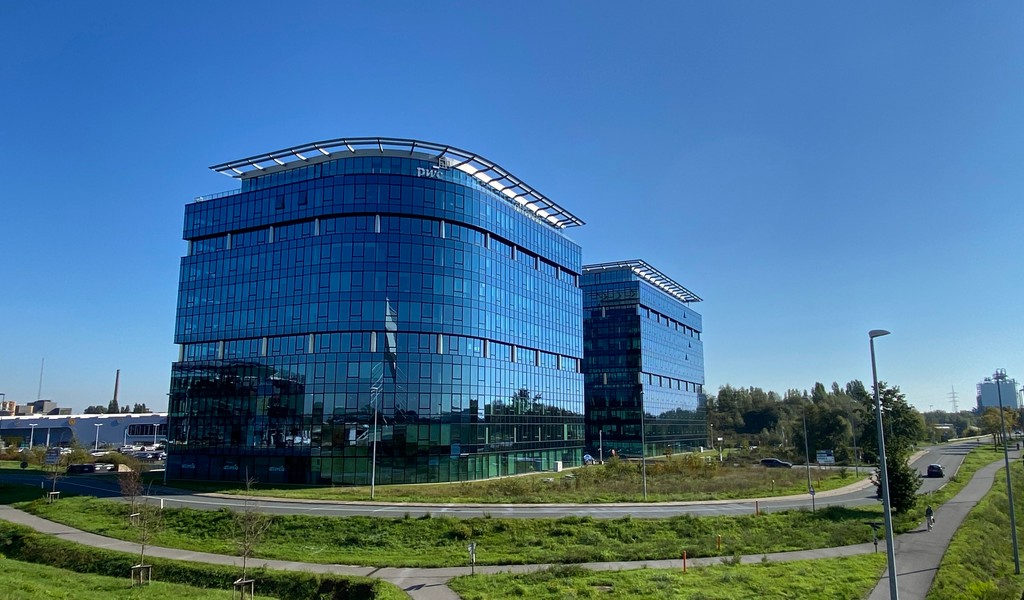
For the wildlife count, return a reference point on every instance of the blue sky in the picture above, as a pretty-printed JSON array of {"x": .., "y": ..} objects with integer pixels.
[{"x": 812, "y": 170}]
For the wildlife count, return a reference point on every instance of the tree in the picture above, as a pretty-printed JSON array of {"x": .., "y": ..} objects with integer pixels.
[
  {"x": 97, "y": 409},
  {"x": 250, "y": 527},
  {"x": 130, "y": 482},
  {"x": 139, "y": 409},
  {"x": 113, "y": 408},
  {"x": 147, "y": 519},
  {"x": 904, "y": 482},
  {"x": 991, "y": 424},
  {"x": 904, "y": 426}
]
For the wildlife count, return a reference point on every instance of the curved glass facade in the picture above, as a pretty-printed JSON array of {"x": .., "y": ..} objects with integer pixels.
[
  {"x": 642, "y": 349},
  {"x": 379, "y": 284}
]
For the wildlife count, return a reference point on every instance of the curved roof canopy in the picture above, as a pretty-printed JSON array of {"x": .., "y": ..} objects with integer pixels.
[
  {"x": 485, "y": 171},
  {"x": 647, "y": 273}
]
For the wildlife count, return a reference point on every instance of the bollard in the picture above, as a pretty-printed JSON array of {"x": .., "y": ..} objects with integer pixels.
[
  {"x": 757, "y": 508},
  {"x": 161, "y": 504},
  {"x": 719, "y": 544},
  {"x": 684, "y": 561}
]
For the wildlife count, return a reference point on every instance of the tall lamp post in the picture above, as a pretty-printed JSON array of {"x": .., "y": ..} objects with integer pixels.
[
  {"x": 807, "y": 461},
  {"x": 96, "y": 444},
  {"x": 890, "y": 551},
  {"x": 32, "y": 435},
  {"x": 999, "y": 377},
  {"x": 853, "y": 431}
]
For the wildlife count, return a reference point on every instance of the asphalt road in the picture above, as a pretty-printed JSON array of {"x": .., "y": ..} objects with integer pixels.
[{"x": 950, "y": 456}]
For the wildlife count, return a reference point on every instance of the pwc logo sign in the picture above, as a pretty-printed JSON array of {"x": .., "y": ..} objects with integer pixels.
[{"x": 437, "y": 172}]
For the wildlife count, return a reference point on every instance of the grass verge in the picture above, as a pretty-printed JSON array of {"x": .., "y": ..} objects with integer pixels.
[
  {"x": 23, "y": 544},
  {"x": 681, "y": 478},
  {"x": 438, "y": 542},
  {"x": 978, "y": 565},
  {"x": 833, "y": 579},
  {"x": 26, "y": 581}
]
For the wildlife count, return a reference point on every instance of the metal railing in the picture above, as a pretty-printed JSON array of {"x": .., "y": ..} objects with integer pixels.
[{"x": 218, "y": 195}]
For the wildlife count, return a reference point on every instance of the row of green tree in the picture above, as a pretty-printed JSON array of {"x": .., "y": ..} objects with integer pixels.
[
  {"x": 112, "y": 408},
  {"x": 842, "y": 419},
  {"x": 836, "y": 419}
]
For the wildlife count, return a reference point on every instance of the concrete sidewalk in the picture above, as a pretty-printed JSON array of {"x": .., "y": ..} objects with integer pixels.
[{"x": 918, "y": 553}]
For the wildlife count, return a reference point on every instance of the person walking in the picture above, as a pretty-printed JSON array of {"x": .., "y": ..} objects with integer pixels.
[{"x": 929, "y": 517}]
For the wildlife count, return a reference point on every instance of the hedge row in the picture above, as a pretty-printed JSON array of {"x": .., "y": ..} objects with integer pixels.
[{"x": 24, "y": 544}]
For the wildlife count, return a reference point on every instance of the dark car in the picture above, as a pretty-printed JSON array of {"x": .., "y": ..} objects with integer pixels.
[
  {"x": 78, "y": 469},
  {"x": 935, "y": 471},
  {"x": 774, "y": 463}
]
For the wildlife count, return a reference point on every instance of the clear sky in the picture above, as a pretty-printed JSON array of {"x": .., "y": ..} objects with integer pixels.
[{"x": 812, "y": 170}]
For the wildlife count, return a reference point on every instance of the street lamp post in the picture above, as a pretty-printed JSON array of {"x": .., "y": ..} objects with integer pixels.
[
  {"x": 807, "y": 461},
  {"x": 96, "y": 444},
  {"x": 712, "y": 439},
  {"x": 32, "y": 435},
  {"x": 999, "y": 377},
  {"x": 853, "y": 431},
  {"x": 890, "y": 551}
]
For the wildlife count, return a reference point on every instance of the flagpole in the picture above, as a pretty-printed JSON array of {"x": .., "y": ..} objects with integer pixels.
[
  {"x": 377, "y": 392},
  {"x": 373, "y": 463}
]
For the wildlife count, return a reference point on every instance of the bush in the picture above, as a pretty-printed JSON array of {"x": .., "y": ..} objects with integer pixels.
[{"x": 21, "y": 543}]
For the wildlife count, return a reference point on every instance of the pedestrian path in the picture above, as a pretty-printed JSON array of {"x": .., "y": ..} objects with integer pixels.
[{"x": 918, "y": 553}]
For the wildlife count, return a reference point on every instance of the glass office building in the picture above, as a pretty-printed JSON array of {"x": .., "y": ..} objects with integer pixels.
[
  {"x": 376, "y": 301},
  {"x": 643, "y": 361}
]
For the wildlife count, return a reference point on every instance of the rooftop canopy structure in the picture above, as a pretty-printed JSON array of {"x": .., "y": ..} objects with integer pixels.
[
  {"x": 649, "y": 274},
  {"x": 474, "y": 165}
]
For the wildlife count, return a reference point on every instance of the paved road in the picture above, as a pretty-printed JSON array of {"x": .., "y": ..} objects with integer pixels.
[
  {"x": 858, "y": 493},
  {"x": 918, "y": 553}
]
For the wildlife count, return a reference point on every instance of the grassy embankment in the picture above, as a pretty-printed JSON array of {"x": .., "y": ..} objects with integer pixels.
[
  {"x": 27, "y": 581},
  {"x": 979, "y": 562},
  {"x": 434, "y": 542},
  {"x": 437, "y": 542},
  {"x": 678, "y": 478},
  {"x": 845, "y": 578}
]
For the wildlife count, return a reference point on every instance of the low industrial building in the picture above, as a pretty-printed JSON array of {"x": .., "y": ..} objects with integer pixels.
[{"x": 87, "y": 431}]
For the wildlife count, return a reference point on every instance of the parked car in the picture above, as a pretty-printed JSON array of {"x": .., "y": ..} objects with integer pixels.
[
  {"x": 774, "y": 463},
  {"x": 935, "y": 471}
]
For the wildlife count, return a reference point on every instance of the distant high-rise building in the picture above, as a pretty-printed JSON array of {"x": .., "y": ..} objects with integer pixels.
[
  {"x": 374, "y": 289},
  {"x": 643, "y": 361}
]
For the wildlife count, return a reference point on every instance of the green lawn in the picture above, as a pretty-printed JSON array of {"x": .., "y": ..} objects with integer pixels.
[
  {"x": 436, "y": 542},
  {"x": 28, "y": 581},
  {"x": 832, "y": 579},
  {"x": 681, "y": 478},
  {"x": 979, "y": 562}
]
